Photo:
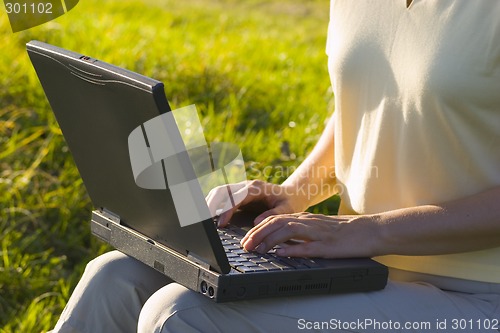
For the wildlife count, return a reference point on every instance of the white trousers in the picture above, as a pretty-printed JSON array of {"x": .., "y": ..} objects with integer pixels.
[{"x": 119, "y": 294}]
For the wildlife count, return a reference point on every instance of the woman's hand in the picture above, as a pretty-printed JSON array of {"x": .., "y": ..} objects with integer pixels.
[
  {"x": 275, "y": 199},
  {"x": 463, "y": 225},
  {"x": 314, "y": 235}
]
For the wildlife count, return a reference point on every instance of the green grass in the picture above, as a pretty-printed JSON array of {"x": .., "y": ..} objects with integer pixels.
[{"x": 255, "y": 69}]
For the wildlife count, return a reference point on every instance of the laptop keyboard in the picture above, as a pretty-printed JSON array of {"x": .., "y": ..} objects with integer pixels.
[{"x": 245, "y": 261}]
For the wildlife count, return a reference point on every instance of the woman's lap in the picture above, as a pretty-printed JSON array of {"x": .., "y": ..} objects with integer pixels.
[
  {"x": 117, "y": 291},
  {"x": 110, "y": 295},
  {"x": 174, "y": 308}
]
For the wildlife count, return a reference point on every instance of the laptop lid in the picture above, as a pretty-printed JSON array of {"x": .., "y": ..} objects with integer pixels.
[{"x": 97, "y": 106}]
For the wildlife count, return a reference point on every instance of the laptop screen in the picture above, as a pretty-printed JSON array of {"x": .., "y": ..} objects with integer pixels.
[{"x": 97, "y": 106}]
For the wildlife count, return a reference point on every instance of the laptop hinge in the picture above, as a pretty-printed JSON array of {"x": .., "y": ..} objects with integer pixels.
[
  {"x": 110, "y": 215},
  {"x": 198, "y": 260}
]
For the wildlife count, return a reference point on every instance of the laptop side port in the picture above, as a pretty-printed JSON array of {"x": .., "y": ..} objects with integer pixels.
[
  {"x": 206, "y": 289},
  {"x": 211, "y": 292}
]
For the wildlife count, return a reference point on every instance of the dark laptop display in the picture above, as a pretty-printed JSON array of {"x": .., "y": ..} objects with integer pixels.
[{"x": 97, "y": 106}]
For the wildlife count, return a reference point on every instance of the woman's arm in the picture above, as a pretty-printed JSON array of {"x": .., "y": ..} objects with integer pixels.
[
  {"x": 471, "y": 223},
  {"x": 468, "y": 224},
  {"x": 314, "y": 180}
]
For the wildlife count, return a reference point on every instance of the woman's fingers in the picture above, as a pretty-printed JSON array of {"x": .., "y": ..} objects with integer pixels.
[
  {"x": 252, "y": 191},
  {"x": 241, "y": 196},
  {"x": 223, "y": 201},
  {"x": 299, "y": 235},
  {"x": 280, "y": 229}
]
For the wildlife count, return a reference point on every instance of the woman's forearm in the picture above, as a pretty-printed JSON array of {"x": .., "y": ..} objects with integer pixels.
[
  {"x": 464, "y": 225},
  {"x": 468, "y": 224}
]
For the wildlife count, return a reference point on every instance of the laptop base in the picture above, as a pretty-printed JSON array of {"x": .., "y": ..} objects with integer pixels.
[{"x": 345, "y": 275}]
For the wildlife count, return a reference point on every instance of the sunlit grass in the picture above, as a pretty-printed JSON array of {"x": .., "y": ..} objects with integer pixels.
[{"x": 255, "y": 69}]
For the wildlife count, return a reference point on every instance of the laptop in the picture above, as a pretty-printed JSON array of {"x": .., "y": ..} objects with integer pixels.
[{"x": 97, "y": 106}]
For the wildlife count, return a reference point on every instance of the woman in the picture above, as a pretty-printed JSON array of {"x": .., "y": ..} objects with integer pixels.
[{"x": 413, "y": 151}]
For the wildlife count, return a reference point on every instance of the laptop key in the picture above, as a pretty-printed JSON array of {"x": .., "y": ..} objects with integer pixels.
[
  {"x": 249, "y": 264},
  {"x": 292, "y": 262},
  {"x": 260, "y": 269},
  {"x": 311, "y": 263},
  {"x": 240, "y": 259},
  {"x": 236, "y": 231},
  {"x": 225, "y": 237},
  {"x": 249, "y": 255},
  {"x": 258, "y": 260},
  {"x": 234, "y": 242},
  {"x": 245, "y": 269},
  {"x": 269, "y": 267},
  {"x": 231, "y": 247},
  {"x": 281, "y": 266}
]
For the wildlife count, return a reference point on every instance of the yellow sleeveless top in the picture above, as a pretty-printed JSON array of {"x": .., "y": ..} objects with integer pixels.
[{"x": 417, "y": 94}]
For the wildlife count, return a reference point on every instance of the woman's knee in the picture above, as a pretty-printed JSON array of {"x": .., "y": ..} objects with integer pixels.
[
  {"x": 110, "y": 294},
  {"x": 161, "y": 310},
  {"x": 107, "y": 263},
  {"x": 117, "y": 272},
  {"x": 111, "y": 263}
]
